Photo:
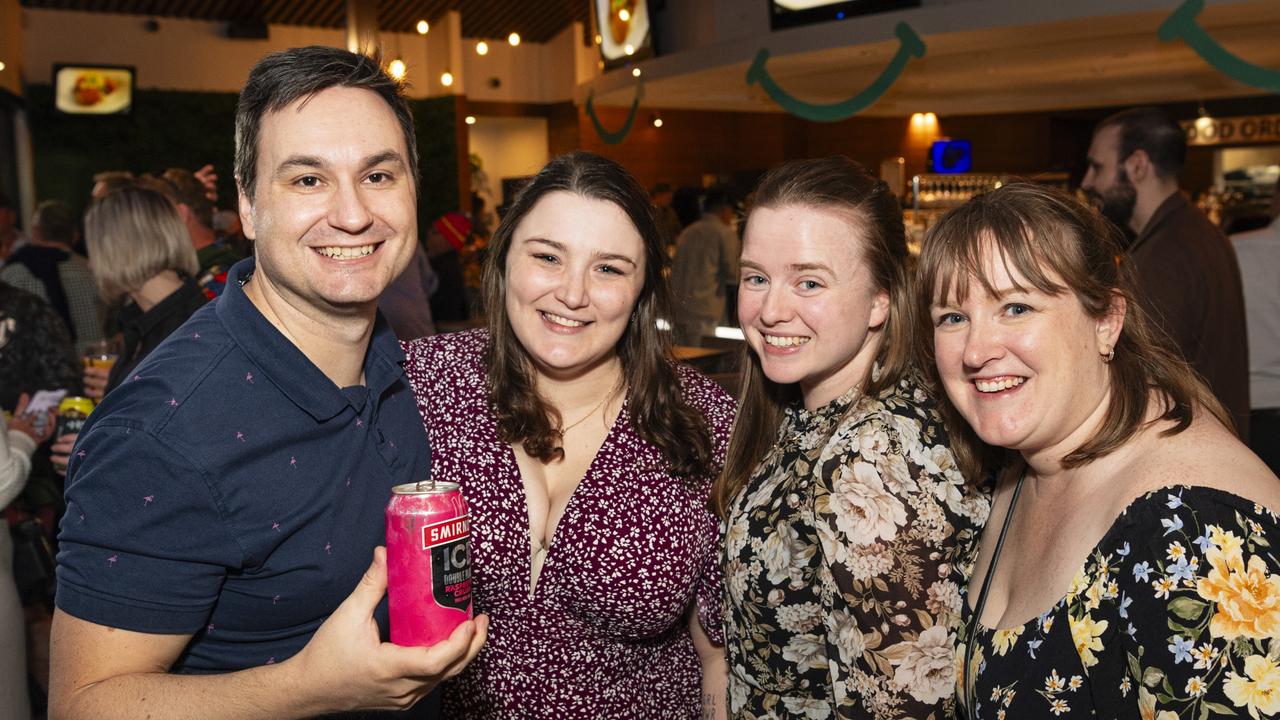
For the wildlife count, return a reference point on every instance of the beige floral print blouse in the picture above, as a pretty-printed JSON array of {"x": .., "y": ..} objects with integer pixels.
[{"x": 845, "y": 555}]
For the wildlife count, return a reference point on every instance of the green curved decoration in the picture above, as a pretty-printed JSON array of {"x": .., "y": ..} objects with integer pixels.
[
  {"x": 617, "y": 136},
  {"x": 909, "y": 45},
  {"x": 1182, "y": 25}
]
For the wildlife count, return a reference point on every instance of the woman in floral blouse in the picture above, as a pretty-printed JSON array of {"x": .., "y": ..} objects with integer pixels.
[
  {"x": 847, "y": 519},
  {"x": 1128, "y": 569}
]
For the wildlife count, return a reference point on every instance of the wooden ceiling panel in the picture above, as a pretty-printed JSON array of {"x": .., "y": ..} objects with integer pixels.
[{"x": 535, "y": 21}]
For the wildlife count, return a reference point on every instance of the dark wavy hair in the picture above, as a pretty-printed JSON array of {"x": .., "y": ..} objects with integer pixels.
[
  {"x": 1058, "y": 246},
  {"x": 657, "y": 407},
  {"x": 874, "y": 217}
]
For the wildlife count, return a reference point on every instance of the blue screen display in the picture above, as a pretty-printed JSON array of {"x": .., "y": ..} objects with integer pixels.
[{"x": 951, "y": 156}]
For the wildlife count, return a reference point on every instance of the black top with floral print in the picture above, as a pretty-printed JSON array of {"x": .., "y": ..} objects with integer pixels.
[
  {"x": 1174, "y": 615},
  {"x": 844, "y": 564}
]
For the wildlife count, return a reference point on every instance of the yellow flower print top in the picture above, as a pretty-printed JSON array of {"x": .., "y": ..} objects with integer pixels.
[{"x": 1175, "y": 615}]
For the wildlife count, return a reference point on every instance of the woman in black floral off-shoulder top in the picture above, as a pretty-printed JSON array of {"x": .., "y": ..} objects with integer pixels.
[
  {"x": 1128, "y": 570},
  {"x": 848, "y": 524}
]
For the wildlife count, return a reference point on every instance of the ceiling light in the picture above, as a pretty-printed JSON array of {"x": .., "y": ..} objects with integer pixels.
[
  {"x": 624, "y": 15},
  {"x": 423, "y": 27},
  {"x": 599, "y": 38},
  {"x": 1, "y": 65},
  {"x": 656, "y": 120},
  {"x": 446, "y": 78},
  {"x": 630, "y": 49},
  {"x": 635, "y": 72},
  {"x": 471, "y": 119},
  {"x": 482, "y": 48},
  {"x": 1204, "y": 121},
  {"x": 514, "y": 39},
  {"x": 396, "y": 69}
]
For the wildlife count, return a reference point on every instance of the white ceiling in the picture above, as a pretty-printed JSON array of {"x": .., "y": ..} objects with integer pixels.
[{"x": 1084, "y": 62}]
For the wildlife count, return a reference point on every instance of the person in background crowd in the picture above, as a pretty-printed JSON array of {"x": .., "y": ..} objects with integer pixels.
[
  {"x": 141, "y": 255},
  {"x": 1185, "y": 268},
  {"x": 191, "y": 198},
  {"x": 445, "y": 242},
  {"x": 109, "y": 180},
  {"x": 47, "y": 267},
  {"x": 189, "y": 584},
  {"x": 668, "y": 221},
  {"x": 586, "y": 456},
  {"x": 1126, "y": 571},
  {"x": 1259, "y": 255},
  {"x": 406, "y": 302},
  {"x": 849, "y": 527},
  {"x": 17, "y": 441},
  {"x": 35, "y": 348},
  {"x": 11, "y": 238},
  {"x": 226, "y": 225},
  {"x": 705, "y": 265}
]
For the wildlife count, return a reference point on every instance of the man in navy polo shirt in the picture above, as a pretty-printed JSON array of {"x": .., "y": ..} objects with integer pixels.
[{"x": 224, "y": 501}]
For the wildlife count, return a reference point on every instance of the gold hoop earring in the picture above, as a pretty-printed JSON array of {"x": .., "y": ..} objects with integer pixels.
[{"x": 1109, "y": 355}]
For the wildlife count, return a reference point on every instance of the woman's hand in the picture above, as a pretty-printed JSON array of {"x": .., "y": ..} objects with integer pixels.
[
  {"x": 95, "y": 382},
  {"x": 30, "y": 425}
]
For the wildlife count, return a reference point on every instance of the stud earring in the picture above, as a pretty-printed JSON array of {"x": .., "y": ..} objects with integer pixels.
[{"x": 1109, "y": 355}]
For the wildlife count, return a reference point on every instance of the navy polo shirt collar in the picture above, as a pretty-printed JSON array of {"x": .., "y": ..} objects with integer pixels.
[{"x": 288, "y": 368}]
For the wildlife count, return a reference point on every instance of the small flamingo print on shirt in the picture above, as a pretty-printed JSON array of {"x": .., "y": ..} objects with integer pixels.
[
  {"x": 275, "y": 600},
  {"x": 293, "y": 462},
  {"x": 248, "y": 377},
  {"x": 148, "y": 499},
  {"x": 275, "y": 526},
  {"x": 359, "y": 422},
  {"x": 208, "y": 628},
  {"x": 328, "y": 549},
  {"x": 195, "y": 336},
  {"x": 111, "y": 561},
  {"x": 240, "y": 436},
  {"x": 173, "y": 402}
]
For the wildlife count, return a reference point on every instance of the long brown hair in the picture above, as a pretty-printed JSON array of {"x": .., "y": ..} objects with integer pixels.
[
  {"x": 657, "y": 408},
  {"x": 1058, "y": 246},
  {"x": 874, "y": 216}
]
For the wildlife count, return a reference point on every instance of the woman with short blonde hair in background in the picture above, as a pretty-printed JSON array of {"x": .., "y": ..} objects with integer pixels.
[{"x": 139, "y": 252}]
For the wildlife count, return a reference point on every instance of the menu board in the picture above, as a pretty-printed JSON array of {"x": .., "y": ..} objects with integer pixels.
[
  {"x": 790, "y": 13},
  {"x": 623, "y": 31},
  {"x": 93, "y": 89}
]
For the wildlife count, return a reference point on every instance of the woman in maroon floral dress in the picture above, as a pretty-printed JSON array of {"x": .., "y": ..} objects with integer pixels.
[{"x": 586, "y": 456}]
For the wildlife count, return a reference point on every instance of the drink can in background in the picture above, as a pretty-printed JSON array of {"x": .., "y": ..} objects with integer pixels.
[{"x": 428, "y": 562}]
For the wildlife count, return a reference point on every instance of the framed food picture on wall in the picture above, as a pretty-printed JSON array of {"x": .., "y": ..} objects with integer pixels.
[
  {"x": 93, "y": 89},
  {"x": 622, "y": 31}
]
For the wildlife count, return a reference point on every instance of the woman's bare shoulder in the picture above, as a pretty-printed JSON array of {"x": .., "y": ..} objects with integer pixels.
[{"x": 1206, "y": 454}]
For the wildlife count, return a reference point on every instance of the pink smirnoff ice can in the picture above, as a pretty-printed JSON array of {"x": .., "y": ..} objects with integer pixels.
[{"x": 428, "y": 562}]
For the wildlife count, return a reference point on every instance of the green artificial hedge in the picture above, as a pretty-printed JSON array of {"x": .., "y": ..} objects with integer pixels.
[{"x": 189, "y": 129}]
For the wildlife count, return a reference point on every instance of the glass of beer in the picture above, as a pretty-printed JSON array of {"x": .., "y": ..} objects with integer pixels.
[{"x": 100, "y": 354}]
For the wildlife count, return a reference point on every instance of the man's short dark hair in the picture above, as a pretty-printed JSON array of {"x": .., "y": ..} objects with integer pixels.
[
  {"x": 284, "y": 77},
  {"x": 56, "y": 222},
  {"x": 1154, "y": 131}
]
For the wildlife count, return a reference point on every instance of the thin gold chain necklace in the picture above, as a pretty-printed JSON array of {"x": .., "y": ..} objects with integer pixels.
[{"x": 593, "y": 410}]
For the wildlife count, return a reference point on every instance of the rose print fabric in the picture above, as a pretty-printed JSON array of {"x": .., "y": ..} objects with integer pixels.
[
  {"x": 1174, "y": 616},
  {"x": 843, "y": 566}
]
